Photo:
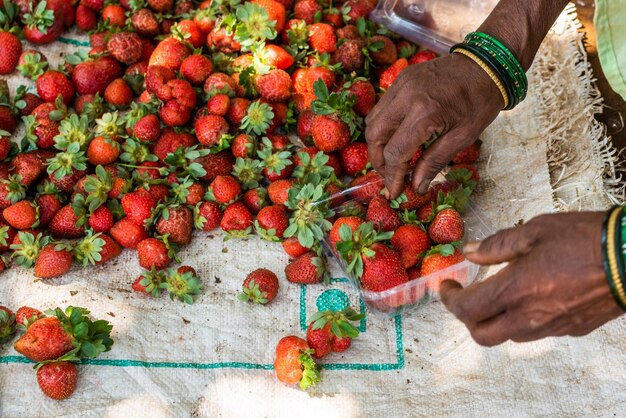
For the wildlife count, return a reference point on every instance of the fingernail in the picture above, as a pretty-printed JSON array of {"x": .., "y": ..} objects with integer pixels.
[
  {"x": 387, "y": 194},
  {"x": 423, "y": 187},
  {"x": 470, "y": 247}
]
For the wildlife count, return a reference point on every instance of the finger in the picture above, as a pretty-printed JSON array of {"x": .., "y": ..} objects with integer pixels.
[
  {"x": 385, "y": 101},
  {"x": 378, "y": 134},
  {"x": 509, "y": 325},
  {"x": 505, "y": 245},
  {"x": 435, "y": 158}
]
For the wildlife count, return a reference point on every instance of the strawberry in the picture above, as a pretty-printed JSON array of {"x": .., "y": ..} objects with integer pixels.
[
  {"x": 26, "y": 315},
  {"x": 95, "y": 5},
  {"x": 109, "y": 250},
  {"x": 101, "y": 220},
  {"x": 277, "y": 57},
  {"x": 63, "y": 225},
  {"x": 382, "y": 215},
  {"x": 305, "y": 124},
  {"x": 53, "y": 262},
  {"x": 216, "y": 165},
  {"x": 366, "y": 186},
  {"x": 349, "y": 32},
  {"x": 22, "y": 215},
  {"x": 196, "y": 193},
  {"x": 238, "y": 110},
  {"x": 145, "y": 23},
  {"x": 243, "y": 146},
  {"x": 278, "y": 191},
  {"x": 387, "y": 54},
  {"x": 356, "y": 9},
  {"x": 352, "y": 222},
  {"x": 322, "y": 38},
  {"x": 115, "y": 14},
  {"x": 31, "y": 101},
  {"x": 161, "y": 6},
  {"x": 437, "y": 259},
  {"x": 153, "y": 253},
  {"x": 389, "y": 75},
  {"x": 260, "y": 286},
  {"x": 275, "y": 11},
  {"x": 190, "y": 32},
  {"x": 86, "y": 18},
  {"x": 422, "y": 56},
  {"x": 413, "y": 199},
  {"x": 293, "y": 248},
  {"x": 306, "y": 269},
  {"x": 45, "y": 339},
  {"x": 169, "y": 142},
  {"x": 174, "y": 114},
  {"x": 306, "y": 10},
  {"x": 7, "y": 324},
  {"x": 5, "y": 147},
  {"x": 138, "y": 206},
  {"x": 237, "y": 220},
  {"x": 51, "y": 84},
  {"x": 196, "y": 69},
  {"x": 350, "y": 55},
  {"x": 28, "y": 166},
  {"x": 326, "y": 327},
  {"x": 320, "y": 340},
  {"x": 425, "y": 213},
  {"x": 446, "y": 227},
  {"x": 91, "y": 77},
  {"x": 271, "y": 222},
  {"x": 209, "y": 216},
  {"x": 8, "y": 122},
  {"x": 293, "y": 364},
  {"x": 330, "y": 133},
  {"x": 383, "y": 270},
  {"x": 102, "y": 151},
  {"x": 147, "y": 129},
  {"x": 49, "y": 205},
  {"x": 177, "y": 223},
  {"x": 274, "y": 86},
  {"x": 10, "y": 51},
  {"x": 128, "y": 233},
  {"x": 57, "y": 380},
  {"x": 255, "y": 199},
  {"x": 126, "y": 47},
  {"x": 210, "y": 128},
  {"x": 219, "y": 104},
  {"x": 411, "y": 242},
  {"x": 468, "y": 155},
  {"x": 365, "y": 96},
  {"x": 354, "y": 158},
  {"x": 225, "y": 189},
  {"x": 41, "y": 25},
  {"x": 45, "y": 130},
  {"x": 169, "y": 53}
]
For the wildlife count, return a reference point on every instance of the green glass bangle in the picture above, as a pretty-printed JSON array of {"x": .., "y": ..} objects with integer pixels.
[
  {"x": 495, "y": 67},
  {"x": 617, "y": 247},
  {"x": 611, "y": 242},
  {"x": 605, "y": 258}
]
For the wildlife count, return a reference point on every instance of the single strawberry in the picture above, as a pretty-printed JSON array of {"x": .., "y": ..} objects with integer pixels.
[
  {"x": 96, "y": 249},
  {"x": 350, "y": 55},
  {"x": 126, "y": 47},
  {"x": 45, "y": 339},
  {"x": 306, "y": 269},
  {"x": 293, "y": 248},
  {"x": 128, "y": 233},
  {"x": 26, "y": 315},
  {"x": 468, "y": 155},
  {"x": 243, "y": 146},
  {"x": 275, "y": 11},
  {"x": 210, "y": 128},
  {"x": 220, "y": 164},
  {"x": 389, "y": 75},
  {"x": 354, "y": 158},
  {"x": 355, "y": 9},
  {"x": 307, "y": 10},
  {"x": 22, "y": 215},
  {"x": 145, "y": 23},
  {"x": 57, "y": 380},
  {"x": 330, "y": 133},
  {"x": 177, "y": 223},
  {"x": 63, "y": 225},
  {"x": 189, "y": 31},
  {"x": 274, "y": 86},
  {"x": 219, "y": 104},
  {"x": 169, "y": 53},
  {"x": 387, "y": 54},
  {"x": 169, "y": 142},
  {"x": 271, "y": 222},
  {"x": 86, "y": 18},
  {"x": 7, "y": 324},
  {"x": 147, "y": 129},
  {"x": 53, "y": 262},
  {"x": 118, "y": 94},
  {"x": 422, "y": 56},
  {"x": 8, "y": 122},
  {"x": 237, "y": 220},
  {"x": 278, "y": 191},
  {"x": 276, "y": 56},
  {"x": 365, "y": 96},
  {"x": 101, "y": 220},
  {"x": 326, "y": 327},
  {"x": 382, "y": 214},
  {"x": 10, "y": 51},
  {"x": 196, "y": 69},
  {"x": 320, "y": 340},
  {"x": 413, "y": 199},
  {"x": 103, "y": 150},
  {"x": 138, "y": 207},
  {"x": 51, "y": 84},
  {"x": 353, "y": 222},
  {"x": 411, "y": 242},
  {"x": 293, "y": 363},
  {"x": 161, "y": 6},
  {"x": 41, "y": 24},
  {"x": 153, "y": 252},
  {"x": 173, "y": 114},
  {"x": 30, "y": 101},
  {"x": 322, "y": 38},
  {"x": 365, "y": 187},
  {"x": 255, "y": 199},
  {"x": 91, "y": 77},
  {"x": 446, "y": 227},
  {"x": 209, "y": 216},
  {"x": 383, "y": 269},
  {"x": 237, "y": 110},
  {"x": 44, "y": 130},
  {"x": 115, "y": 14},
  {"x": 260, "y": 286},
  {"x": 439, "y": 258},
  {"x": 225, "y": 189}
]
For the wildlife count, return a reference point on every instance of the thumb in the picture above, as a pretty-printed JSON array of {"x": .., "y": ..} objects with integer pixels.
[
  {"x": 435, "y": 158},
  {"x": 505, "y": 245}
]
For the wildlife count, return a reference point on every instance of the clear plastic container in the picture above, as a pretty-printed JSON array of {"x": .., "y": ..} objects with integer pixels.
[
  {"x": 422, "y": 290},
  {"x": 433, "y": 24}
]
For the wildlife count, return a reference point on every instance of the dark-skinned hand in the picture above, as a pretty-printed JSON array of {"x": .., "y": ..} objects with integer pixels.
[
  {"x": 554, "y": 283},
  {"x": 450, "y": 97}
]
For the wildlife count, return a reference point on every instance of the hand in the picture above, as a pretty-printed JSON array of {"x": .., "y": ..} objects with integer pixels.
[
  {"x": 451, "y": 97},
  {"x": 554, "y": 283}
]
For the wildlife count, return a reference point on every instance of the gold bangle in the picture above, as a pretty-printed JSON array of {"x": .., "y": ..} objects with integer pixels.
[
  {"x": 490, "y": 73},
  {"x": 612, "y": 257}
]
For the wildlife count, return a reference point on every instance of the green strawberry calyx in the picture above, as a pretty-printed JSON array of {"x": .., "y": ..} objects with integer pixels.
[
  {"x": 310, "y": 370},
  {"x": 253, "y": 293},
  {"x": 339, "y": 322}
]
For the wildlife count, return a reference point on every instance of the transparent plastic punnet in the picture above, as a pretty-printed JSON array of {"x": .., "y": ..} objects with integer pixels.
[
  {"x": 433, "y": 24},
  {"x": 422, "y": 290}
]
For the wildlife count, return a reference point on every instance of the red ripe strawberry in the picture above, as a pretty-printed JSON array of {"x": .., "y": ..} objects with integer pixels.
[
  {"x": 422, "y": 56},
  {"x": 293, "y": 248},
  {"x": 306, "y": 10},
  {"x": 210, "y": 128},
  {"x": 260, "y": 286},
  {"x": 7, "y": 120},
  {"x": 274, "y": 86},
  {"x": 52, "y": 262},
  {"x": 161, "y": 6},
  {"x": 196, "y": 193},
  {"x": 365, "y": 96},
  {"x": 237, "y": 218},
  {"x": 369, "y": 186},
  {"x": 243, "y": 146},
  {"x": 305, "y": 124},
  {"x": 212, "y": 214},
  {"x": 118, "y": 94},
  {"x": 238, "y": 110},
  {"x": 352, "y": 222},
  {"x": 350, "y": 55},
  {"x": 196, "y": 69},
  {"x": 357, "y": 9},
  {"x": 330, "y": 133},
  {"x": 349, "y": 32},
  {"x": 435, "y": 262},
  {"x": 293, "y": 364},
  {"x": 138, "y": 206},
  {"x": 387, "y": 54},
  {"x": 354, "y": 158},
  {"x": 383, "y": 270},
  {"x": 53, "y": 32},
  {"x": 149, "y": 169},
  {"x": 255, "y": 199},
  {"x": 86, "y": 19},
  {"x": 137, "y": 286},
  {"x": 49, "y": 205},
  {"x": 220, "y": 164},
  {"x": 5, "y": 147},
  {"x": 116, "y": 15},
  {"x": 389, "y": 75},
  {"x": 156, "y": 80},
  {"x": 425, "y": 213},
  {"x": 341, "y": 344},
  {"x": 271, "y": 222},
  {"x": 126, "y": 47},
  {"x": 178, "y": 224},
  {"x": 110, "y": 249},
  {"x": 278, "y": 191},
  {"x": 322, "y": 38},
  {"x": 51, "y": 84},
  {"x": 102, "y": 151},
  {"x": 219, "y": 104},
  {"x": 153, "y": 252},
  {"x": 45, "y": 131},
  {"x": 145, "y": 23},
  {"x": 148, "y": 128},
  {"x": 32, "y": 101},
  {"x": 91, "y": 77},
  {"x": 306, "y": 269},
  {"x": 10, "y": 51},
  {"x": 174, "y": 114},
  {"x": 63, "y": 225},
  {"x": 225, "y": 189},
  {"x": 169, "y": 53},
  {"x": 320, "y": 340},
  {"x": 179, "y": 90},
  {"x": 57, "y": 380},
  {"x": 468, "y": 155},
  {"x": 275, "y": 11},
  {"x": 191, "y": 32},
  {"x": 334, "y": 18},
  {"x": 101, "y": 220},
  {"x": 66, "y": 183},
  {"x": 411, "y": 242},
  {"x": 382, "y": 215},
  {"x": 21, "y": 215},
  {"x": 45, "y": 339},
  {"x": 128, "y": 233},
  {"x": 95, "y": 5},
  {"x": 26, "y": 314},
  {"x": 414, "y": 200},
  {"x": 169, "y": 142},
  {"x": 446, "y": 227},
  {"x": 277, "y": 57}
]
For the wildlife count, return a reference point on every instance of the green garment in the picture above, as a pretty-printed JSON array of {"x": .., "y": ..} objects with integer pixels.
[{"x": 610, "y": 23}]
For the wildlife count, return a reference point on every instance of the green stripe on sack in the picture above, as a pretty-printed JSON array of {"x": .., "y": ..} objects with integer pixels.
[{"x": 74, "y": 42}]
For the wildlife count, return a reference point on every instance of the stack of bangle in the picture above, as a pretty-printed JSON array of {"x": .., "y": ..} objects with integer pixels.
[
  {"x": 499, "y": 63},
  {"x": 614, "y": 253}
]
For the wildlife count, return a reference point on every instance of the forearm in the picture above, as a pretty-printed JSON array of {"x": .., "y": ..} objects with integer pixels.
[{"x": 522, "y": 25}]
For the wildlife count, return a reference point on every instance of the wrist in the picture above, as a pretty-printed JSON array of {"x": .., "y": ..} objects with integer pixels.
[
  {"x": 477, "y": 77},
  {"x": 614, "y": 257}
]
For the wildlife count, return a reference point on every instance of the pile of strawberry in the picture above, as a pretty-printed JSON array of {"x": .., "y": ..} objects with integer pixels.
[
  {"x": 182, "y": 116},
  {"x": 56, "y": 340}
]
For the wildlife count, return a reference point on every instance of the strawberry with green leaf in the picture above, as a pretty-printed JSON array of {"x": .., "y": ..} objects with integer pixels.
[
  {"x": 293, "y": 363},
  {"x": 26, "y": 252},
  {"x": 260, "y": 286},
  {"x": 330, "y": 331},
  {"x": 258, "y": 118},
  {"x": 182, "y": 285},
  {"x": 309, "y": 219},
  {"x": 254, "y": 25},
  {"x": 277, "y": 165},
  {"x": 54, "y": 260},
  {"x": 7, "y": 325}
]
